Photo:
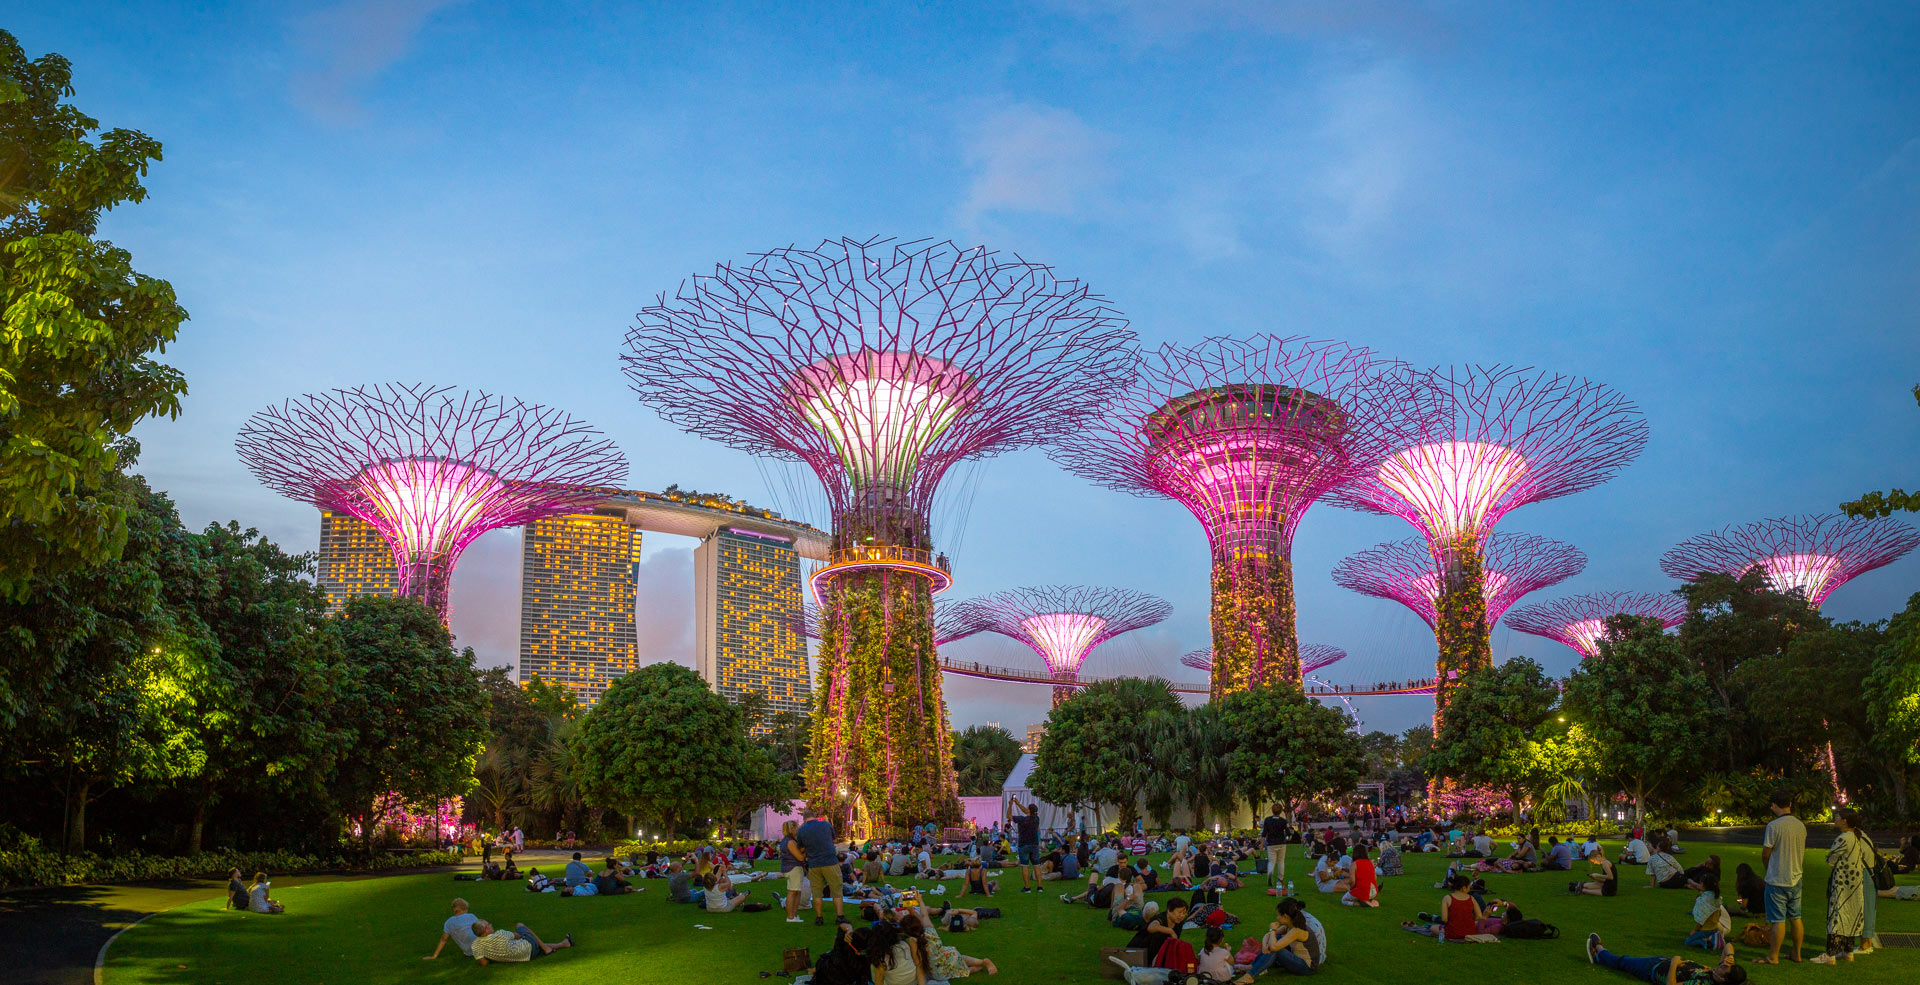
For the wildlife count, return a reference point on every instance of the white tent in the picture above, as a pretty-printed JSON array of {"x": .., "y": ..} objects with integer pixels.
[{"x": 1052, "y": 816}]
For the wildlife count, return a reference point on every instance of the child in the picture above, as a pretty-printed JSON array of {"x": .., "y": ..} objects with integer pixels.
[
  {"x": 1711, "y": 924},
  {"x": 1216, "y": 961}
]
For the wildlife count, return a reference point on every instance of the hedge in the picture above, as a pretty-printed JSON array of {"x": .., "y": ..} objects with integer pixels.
[{"x": 21, "y": 869}]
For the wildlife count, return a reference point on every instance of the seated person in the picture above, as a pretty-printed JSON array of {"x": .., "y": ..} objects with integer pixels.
[
  {"x": 1673, "y": 842},
  {"x": 537, "y": 883},
  {"x": 680, "y": 885},
  {"x": 1365, "y": 887},
  {"x": 1180, "y": 870},
  {"x": 1602, "y": 882},
  {"x": 1099, "y": 892},
  {"x": 577, "y": 871},
  {"x": 1559, "y": 855},
  {"x": 1291, "y": 942},
  {"x": 518, "y": 944},
  {"x": 1711, "y": 923},
  {"x": 1459, "y": 915},
  {"x": 1909, "y": 860},
  {"x": 1749, "y": 891},
  {"x": 1663, "y": 872},
  {"x": 1333, "y": 874},
  {"x": 1389, "y": 863},
  {"x": 1696, "y": 875},
  {"x": 899, "y": 863},
  {"x": 1673, "y": 971},
  {"x": 257, "y": 898},
  {"x": 871, "y": 871},
  {"x": 458, "y": 929},
  {"x": 721, "y": 896},
  {"x": 1161, "y": 927},
  {"x": 236, "y": 891},
  {"x": 609, "y": 882},
  {"x": 1636, "y": 853},
  {"x": 975, "y": 881}
]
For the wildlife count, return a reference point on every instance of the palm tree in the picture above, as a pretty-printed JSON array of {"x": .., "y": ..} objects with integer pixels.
[{"x": 983, "y": 756}]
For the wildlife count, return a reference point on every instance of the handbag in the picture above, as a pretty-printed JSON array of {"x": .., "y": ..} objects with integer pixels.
[{"x": 796, "y": 959}]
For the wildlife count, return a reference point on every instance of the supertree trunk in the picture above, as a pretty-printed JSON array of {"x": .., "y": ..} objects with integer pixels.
[
  {"x": 1254, "y": 636},
  {"x": 881, "y": 731},
  {"x": 1061, "y": 693},
  {"x": 1460, "y": 627}
]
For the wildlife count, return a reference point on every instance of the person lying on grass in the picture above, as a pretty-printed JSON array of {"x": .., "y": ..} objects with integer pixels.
[
  {"x": 518, "y": 944},
  {"x": 942, "y": 961},
  {"x": 1669, "y": 971},
  {"x": 458, "y": 928}
]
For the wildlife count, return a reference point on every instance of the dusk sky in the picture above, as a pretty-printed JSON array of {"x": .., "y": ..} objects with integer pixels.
[{"x": 1713, "y": 208}]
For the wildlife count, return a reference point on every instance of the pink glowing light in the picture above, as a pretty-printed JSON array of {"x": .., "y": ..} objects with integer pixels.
[
  {"x": 881, "y": 410},
  {"x": 1064, "y": 624},
  {"x": 1063, "y": 639},
  {"x": 1515, "y": 565},
  {"x": 427, "y": 505},
  {"x": 1580, "y": 621},
  {"x": 1813, "y": 554},
  {"x": 1454, "y": 485},
  {"x": 1313, "y": 656}
]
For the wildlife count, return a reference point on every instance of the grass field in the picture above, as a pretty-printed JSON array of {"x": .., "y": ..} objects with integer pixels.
[{"x": 377, "y": 930}]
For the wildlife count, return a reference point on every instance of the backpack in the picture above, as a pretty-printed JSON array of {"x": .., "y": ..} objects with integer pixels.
[
  {"x": 1882, "y": 872},
  {"x": 1756, "y": 935},
  {"x": 1530, "y": 929},
  {"x": 1176, "y": 954}
]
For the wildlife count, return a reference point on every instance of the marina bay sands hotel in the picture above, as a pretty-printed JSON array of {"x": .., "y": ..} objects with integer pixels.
[{"x": 577, "y": 591}]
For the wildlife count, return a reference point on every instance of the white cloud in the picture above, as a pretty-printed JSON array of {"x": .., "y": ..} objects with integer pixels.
[
  {"x": 1034, "y": 158},
  {"x": 348, "y": 45}
]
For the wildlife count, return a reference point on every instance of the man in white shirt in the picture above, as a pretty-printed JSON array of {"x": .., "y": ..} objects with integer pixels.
[
  {"x": 1483, "y": 843},
  {"x": 1106, "y": 858},
  {"x": 1784, "y": 851},
  {"x": 1636, "y": 852},
  {"x": 1180, "y": 843}
]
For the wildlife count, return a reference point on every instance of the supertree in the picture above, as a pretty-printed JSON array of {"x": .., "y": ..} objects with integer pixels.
[
  {"x": 953, "y": 619},
  {"x": 1579, "y": 621},
  {"x": 1313, "y": 656},
  {"x": 1813, "y": 554},
  {"x": 1405, "y": 572},
  {"x": 1507, "y": 437},
  {"x": 879, "y": 365},
  {"x": 429, "y": 467},
  {"x": 1247, "y": 434},
  {"x": 1064, "y": 623}
]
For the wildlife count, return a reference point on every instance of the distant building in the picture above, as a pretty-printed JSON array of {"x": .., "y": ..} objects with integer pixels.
[
  {"x": 354, "y": 560},
  {"x": 1034, "y": 732},
  {"x": 577, "y": 601},
  {"x": 747, "y": 588}
]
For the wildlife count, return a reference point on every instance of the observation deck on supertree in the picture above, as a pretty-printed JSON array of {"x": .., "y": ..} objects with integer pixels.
[
  {"x": 1065, "y": 623},
  {"x": 1507, "y": 437},
  {"x": 1313, "y": 656},
  {"x": 1813, "y": 554},
  {"x": 430, "y": 468},
  {"x": 1580, "y": 621},
  {"x": 1405, "y": 572},
  {"x": 1248, "y": 434},
  {"x": 879, "y": 365}
]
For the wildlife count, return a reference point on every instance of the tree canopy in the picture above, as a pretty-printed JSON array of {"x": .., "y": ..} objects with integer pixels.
[
  {"x": 983, "y": 756},
  {"x": 1489, "y": 727},
  {"x": 1650, "y": 714},
  {"x": 1287, "y": 746},
  {"x": 1098, "y": 747}
]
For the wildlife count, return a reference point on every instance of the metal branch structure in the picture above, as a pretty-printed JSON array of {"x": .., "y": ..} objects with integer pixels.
[
  {"x": 1248, "y": 434},
  {"x": 1065, "y": 623},
  {"x": 1507, "y": 437},
  {"x": 429, "y": 467},
  {"x": 1813, "y": 554},
  {"x": 1313, "y": 656},
  {"x": 880, "y": 365},
  {"x": 1405, "y": 571},
  {"x": 953, "y": 619},
  {"x": 1580, "y": 621}
]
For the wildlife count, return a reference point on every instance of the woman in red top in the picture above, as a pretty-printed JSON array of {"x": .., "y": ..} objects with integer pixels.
[
  {"x": 1459, "y": 913},
  {"x": 1366, "y": 881}
]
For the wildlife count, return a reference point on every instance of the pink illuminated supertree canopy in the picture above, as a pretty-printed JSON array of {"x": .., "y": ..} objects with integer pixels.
[
  {"x": 1506, "y": 437},
  {"x": 1063, "y": 624},
  {"x": 1811, "y": 554},
  {"x": 1580, "y": 621},
  {"x": 880, "y": 365},
  {"x": 953, "y": 619},
  {"x": 1248, "y": 434},
  {"x": 1313, "y": 656},
  {"x": 1405, "y": 572},
  {"x": 431, "y": 468}
]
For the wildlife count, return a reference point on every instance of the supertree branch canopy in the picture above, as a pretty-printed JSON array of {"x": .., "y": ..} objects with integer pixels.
[
  {"x": 879, "y": 365},
  {"x": 431, "y": 468},
  {"x": 952, "y": 620},
  {"x": 1812, "y": 554},
  {"x": 1063, "y": 624},
  {"x": 1405, "y": 572},
  {"x": 1248, "y": 434},
  {"x": 1580, "y": 621},
  {"x": 1505, "y": 437},
  {"x": 1313, "y": 656}
]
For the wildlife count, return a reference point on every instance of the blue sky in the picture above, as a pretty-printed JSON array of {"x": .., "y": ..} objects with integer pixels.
[{"x": 1714, "y": 208}]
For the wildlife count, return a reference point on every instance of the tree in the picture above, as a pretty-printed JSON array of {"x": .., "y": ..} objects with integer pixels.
[
  {"x": 78, "y": 325},
  {"x": 983, "y": 755},
  {"x": 1649, "y": 712},
  {"x": 414, "y": 708},
  {"x": 1487, "y": 725},
  {"x": 1885, "y": 503},
  {"x": 1730, "y": 621},
  {"x": 1811, "y": 697},
  {"x": 660, "y": 744},
  {"x": 786, "y": 741},
  {"x": 1288, "y": 747},
  {"x": 1892, "y": 689},
  {"x": 1098, "y": 747}
]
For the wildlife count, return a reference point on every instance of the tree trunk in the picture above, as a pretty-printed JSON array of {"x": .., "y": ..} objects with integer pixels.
[
  {"x": 198, "y": 827},
  {"x": 77, "y": 815}
]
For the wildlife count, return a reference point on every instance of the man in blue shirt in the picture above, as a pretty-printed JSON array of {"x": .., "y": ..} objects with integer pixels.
[
  {"x": 823, "y": 867},
  {"x": 577, "y": 871},
  {"x": 1027, "y": 845}
]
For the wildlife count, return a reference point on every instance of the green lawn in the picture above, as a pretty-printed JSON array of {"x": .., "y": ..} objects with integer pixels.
[{"x": 377, "y": 930}]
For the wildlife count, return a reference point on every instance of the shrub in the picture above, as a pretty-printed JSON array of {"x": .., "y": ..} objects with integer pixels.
[{"x": 36, "y": 867}]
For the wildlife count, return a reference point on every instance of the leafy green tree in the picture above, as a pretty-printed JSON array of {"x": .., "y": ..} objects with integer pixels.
[
  {"x": 1288, "y": 747},
  {"x": 1811, "y": 698},
  {"x": 413, "y": 706},
  {"x": 78, "y": 325},
  {"x": 785, "y": 741},
  {"x": 1892, "y": 689},
  {"x": 1098, "y": 747},
  {"x": 983, "y": 755},
  {"x": 1885, "y": 503},
  {"x": 1650, "y": 713},
  {"x": 660, "y": 744},
  {"x": 1491, "y": 718},
  {"x": 1730, "y": 621}
]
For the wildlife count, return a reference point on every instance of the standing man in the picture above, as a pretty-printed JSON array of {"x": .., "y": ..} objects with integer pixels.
[
  {"x": 823, "y": 867},
  {"x": 1027, "y": 848},
  {"x": 1785, "y": 849},
  {"x": 1276, "y": 831}
]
